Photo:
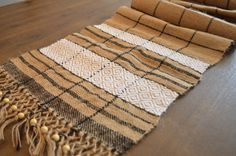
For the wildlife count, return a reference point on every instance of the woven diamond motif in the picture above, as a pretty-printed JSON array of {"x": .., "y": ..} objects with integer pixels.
[
  {"x": 113, "y": 78},
  {"x": 108, "y": 29},
  {"x": 190, "y": 62},
  {"x": 149, "y": 95},
  {"x": 130, "y": 38},
  {"x": 86, "y": 64},
  {"x": 62, "y": 51},
  {"x": 159, "y": 49}
]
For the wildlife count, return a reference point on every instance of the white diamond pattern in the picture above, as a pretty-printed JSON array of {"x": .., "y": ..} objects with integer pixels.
[
  {"x": 113, "y": 78},
  {"x": 190, "y": 62},
  {"x": 86, "y": 64},
  {"x": 108, "y": 29},
  {"x": 149, "y": 95},
  {"x": 62, "y": 51}
]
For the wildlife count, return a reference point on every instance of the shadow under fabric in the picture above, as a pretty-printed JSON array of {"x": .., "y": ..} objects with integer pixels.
[{"x": 100, "y": 91}]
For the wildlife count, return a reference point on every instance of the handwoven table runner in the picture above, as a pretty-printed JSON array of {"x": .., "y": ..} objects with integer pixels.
[{"x": 100, "y": 91}]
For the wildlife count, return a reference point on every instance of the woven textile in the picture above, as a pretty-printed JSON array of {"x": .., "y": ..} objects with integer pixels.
[
  {"x": 222, "y": 8},
  {"x": 100, "y": 91}
]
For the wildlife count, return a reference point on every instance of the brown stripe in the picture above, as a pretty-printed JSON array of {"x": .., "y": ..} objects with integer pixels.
[
  {"x": 135, "y": 110},
  {"x": 98, "y": 37},
  {"x": 24, "y": 68},
  {"x": 128, "y": 118},
  {"x": 170, "y": 82},
  {"x": 113, "y": 125},
  {"x": 77, "y": 104},
  {"x": 79, "y": 41},
  {"x": 175, "y": 69},
  {"x": 31, "y": 60},
  {"x": 95, "y": 90},
  {"x": 47, "y": 61},
  {"x": 99, "y": 103}
]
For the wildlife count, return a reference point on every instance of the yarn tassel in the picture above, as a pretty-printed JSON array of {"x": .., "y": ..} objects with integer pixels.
[
  {"x": 46, "y": 132},
  {"x": 51, "y": 145},
  {"x": 16, "y": 134}
]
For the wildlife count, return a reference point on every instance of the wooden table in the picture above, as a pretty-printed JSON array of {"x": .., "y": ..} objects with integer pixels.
[{"x": 202, "y": 123}]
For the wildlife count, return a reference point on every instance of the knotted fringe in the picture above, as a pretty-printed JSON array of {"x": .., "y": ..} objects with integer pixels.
[{"x": 46, "y": 132}]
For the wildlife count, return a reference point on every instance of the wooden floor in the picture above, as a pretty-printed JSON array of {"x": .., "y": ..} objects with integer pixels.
[
  {"x": 202, "y": 123},
  {"x": 8, "y": 2}
]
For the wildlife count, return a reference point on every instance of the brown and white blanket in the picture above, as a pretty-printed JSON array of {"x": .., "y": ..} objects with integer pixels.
[{"x": 100, "y": 91}]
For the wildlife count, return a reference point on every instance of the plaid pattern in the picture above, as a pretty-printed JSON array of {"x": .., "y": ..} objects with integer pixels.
[{"x": 100, "y": 91}]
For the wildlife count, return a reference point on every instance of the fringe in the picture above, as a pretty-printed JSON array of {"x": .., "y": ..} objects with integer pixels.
[{"x": 46, "y": 132}]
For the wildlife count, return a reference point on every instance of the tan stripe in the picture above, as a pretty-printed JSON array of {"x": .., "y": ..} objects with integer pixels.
[
  {"x": 129, "y": 118},
  {"x": 204, "y": 54},
  {"x": 43, "y": 58},
  {"x": 137, "y": 111},
  {"x": 144, "y": 31},
  {"x": 137, "y": 63},
  {"x": 178, "y": 74},
  {"x": 93, "y": 89},
  {"x": 32, "y": 61},
  {"x": 78, "y": 41},
  {"x": 54, "y": 76},
  {"x": 113, "y": 125},
  {"x": 93, "y": 36},
  {"x": 59, "y": 69},
  {"x": 41, "y": 80},
  {"x": 146, "y": 60},
  {"x": 102, "y": 52},
  {"x": 120, "y": 22},
  {"x": 58, "y": 79},
  {"x": 78, "y": 105},
  {"x": 127, "y": 47},
  {"x": 169, "y": 84},
  {"x": 38, "y": 78},
  {"x": 128, "y": 67},
  {"x": 24, "y": 68},
  {"x": 47, "y": 85},
  {"x": 93, "y": 99}
]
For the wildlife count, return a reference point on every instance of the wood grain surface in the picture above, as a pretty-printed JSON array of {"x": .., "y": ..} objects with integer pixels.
[{"x": 201, "y": 123}]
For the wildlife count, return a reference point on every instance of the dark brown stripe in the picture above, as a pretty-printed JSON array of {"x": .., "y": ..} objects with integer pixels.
[
  {"x": 181, "y": 17},
  {"x": 209, "y": 24},
  {"x": 155, "y": 10}
]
